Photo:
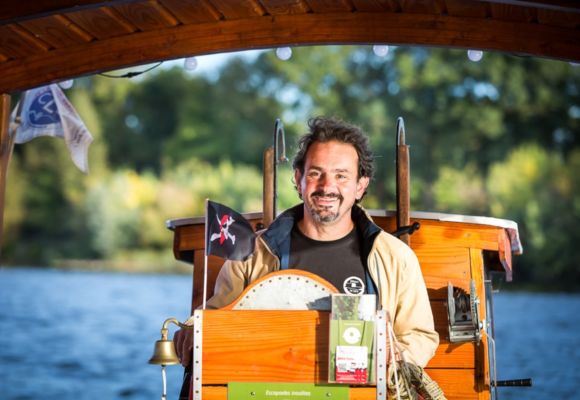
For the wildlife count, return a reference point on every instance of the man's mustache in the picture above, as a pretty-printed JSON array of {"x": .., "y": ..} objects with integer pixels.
[{"x": 321, "y": 193}]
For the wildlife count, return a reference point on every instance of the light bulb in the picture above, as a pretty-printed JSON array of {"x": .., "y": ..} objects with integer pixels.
[
  {"x": 381, "y": 50},
  {"x": 284, "y": 53},
  {"x": 475, "y": 55},
  {"x": 190, "y": 63},
  {"x": 66, "y": 84}
]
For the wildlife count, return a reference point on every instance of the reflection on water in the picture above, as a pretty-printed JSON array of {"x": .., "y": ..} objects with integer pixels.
[{"x": 78, "y": 335}]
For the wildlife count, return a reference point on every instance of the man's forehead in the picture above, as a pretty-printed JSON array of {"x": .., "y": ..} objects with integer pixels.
[{"x": 333, "y": 156}]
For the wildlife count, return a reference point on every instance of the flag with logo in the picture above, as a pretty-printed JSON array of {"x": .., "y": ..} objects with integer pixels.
[
  {"x": 45, "y": 111},
  {"x": 228, "y": 234}
]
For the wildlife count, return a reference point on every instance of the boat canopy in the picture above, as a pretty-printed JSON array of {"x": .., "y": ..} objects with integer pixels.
[{"x": 50, "y": 41}]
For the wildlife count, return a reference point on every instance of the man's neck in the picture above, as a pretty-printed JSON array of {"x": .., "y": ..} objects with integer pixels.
[{"x": 317, "y": 231}]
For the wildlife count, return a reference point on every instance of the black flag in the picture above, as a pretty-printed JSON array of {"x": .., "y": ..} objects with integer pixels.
[{"x": 228, "y": 234}]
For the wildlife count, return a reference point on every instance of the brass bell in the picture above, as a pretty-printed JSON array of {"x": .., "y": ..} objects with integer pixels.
[{"x": 164, "y": 351}]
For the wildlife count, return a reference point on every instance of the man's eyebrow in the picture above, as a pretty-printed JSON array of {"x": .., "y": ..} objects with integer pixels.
[{"x": 316, "y": 168}]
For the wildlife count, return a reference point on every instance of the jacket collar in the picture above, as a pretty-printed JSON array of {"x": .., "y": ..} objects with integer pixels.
[{"x": 277, "y": 236}]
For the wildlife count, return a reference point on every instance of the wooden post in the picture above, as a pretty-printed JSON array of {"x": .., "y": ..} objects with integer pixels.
[
  {"x": 268, "y": 187},
  {"x": 403, "y": 181},
  {"x": 6, "y": 145}
]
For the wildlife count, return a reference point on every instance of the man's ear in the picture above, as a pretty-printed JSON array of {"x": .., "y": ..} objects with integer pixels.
[{"x": 361, "y": 186}]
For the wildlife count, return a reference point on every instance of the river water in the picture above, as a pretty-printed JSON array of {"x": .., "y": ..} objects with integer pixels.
[{"x": 80, "y": 335}]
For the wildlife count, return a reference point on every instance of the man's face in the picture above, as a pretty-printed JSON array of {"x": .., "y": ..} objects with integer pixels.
[{"x": 329, "y": 186}]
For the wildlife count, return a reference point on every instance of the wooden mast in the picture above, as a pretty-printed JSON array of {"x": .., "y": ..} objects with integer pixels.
[{"x": 403, "y": 181}]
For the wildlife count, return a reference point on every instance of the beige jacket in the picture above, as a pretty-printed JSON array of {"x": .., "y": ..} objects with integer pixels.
[{"x": 392, "y": 267}]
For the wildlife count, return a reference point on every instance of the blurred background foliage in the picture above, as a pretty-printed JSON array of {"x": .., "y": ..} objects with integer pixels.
[{"x": 499, "y": 138}]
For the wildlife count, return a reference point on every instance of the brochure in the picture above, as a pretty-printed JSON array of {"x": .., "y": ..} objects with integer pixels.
[{"x": 352, "y": 341}]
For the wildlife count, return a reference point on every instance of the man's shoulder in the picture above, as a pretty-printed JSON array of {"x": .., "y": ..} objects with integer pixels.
[{"x": 385, "y": 242}]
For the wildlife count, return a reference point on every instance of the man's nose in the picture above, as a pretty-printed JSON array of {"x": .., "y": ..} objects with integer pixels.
[{"x": 324, "y": 181}]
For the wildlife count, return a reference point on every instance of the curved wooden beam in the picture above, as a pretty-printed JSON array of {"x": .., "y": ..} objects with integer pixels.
[{"x": 268, "y": 31}]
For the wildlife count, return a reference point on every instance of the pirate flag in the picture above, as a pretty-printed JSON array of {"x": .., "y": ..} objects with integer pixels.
[{"x": 228, "y": 234}]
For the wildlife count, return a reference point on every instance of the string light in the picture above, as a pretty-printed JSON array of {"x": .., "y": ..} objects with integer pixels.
[
  {"x": 284, "y": 53},
  {"x": 66, "y": 84},
  {"x": 475, "y": 55},
  {"x": 380, "y": 50},
  {"x": 190, "y": 63}
]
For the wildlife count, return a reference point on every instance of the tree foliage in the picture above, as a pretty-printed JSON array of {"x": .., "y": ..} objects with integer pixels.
[{"x": 499, "y": 138}]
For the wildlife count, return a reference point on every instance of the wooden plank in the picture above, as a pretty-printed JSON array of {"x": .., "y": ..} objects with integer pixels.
[
  {"x": 456, "y": 384},
  {"x": 330, "y": 6},
  {"x": 147, "y": 16},
  {"x": 16, "y": 42},
  {"x": 441, "y": 265},
  {"x": 102, "y": 23},
  {"x": 277, "y": 7},
  {"x": 237, "y": 9},
  {"x": 264, "y": 346},
  {"x": 373, "y": 6},
  {"x": 191, "y": 12},
  {"x": 454, "y": 355},
  {"x": 58, "y": 31},
  {"x": 437, "y": 233},
  {"x": 13, "y": 11},
  {"x": 461, "y": 8}
]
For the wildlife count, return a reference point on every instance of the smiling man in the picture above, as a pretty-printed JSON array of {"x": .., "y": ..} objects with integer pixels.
[{"x": 330, "y": 235}]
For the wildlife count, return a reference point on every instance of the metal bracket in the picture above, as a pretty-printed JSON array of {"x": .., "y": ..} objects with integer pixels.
[
  {"x": 462, "y": 310},
  {"x": 197, "y": 353},
  {"x": 381, "y": 360}
]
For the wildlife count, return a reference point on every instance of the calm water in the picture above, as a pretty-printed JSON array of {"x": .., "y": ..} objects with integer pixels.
[{"x": 77, "y": 335}]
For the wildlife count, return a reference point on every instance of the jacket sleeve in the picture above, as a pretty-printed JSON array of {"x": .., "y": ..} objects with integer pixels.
[
  {"x": 229, "y": 284},
  {"x": 413, "y": 318}
]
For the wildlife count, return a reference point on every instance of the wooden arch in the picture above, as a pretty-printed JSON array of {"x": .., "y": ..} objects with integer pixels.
[{"x": 52, "y": 40}]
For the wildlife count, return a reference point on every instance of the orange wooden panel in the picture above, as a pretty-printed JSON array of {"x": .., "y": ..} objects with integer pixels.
[
  {"x": 456, "y": 355},
  {"x": 457, "y": 384},
  {"x": 441, "y": 265},
  {"x": 264, "y": 346},
  {"x": 455, "y": 234},
  {"x": 284, "y": 346}
]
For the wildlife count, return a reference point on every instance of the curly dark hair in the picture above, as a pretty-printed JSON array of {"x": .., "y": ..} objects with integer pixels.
[{"x": 326, "y": 129}]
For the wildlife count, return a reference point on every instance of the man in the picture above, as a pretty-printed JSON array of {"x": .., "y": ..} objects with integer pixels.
[{"x": 331, "y": 236}]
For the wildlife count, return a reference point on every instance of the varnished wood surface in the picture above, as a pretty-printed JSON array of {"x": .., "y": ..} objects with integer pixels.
[
  {"x": 48, "y": 41},
  {"x": 292, "y": 346}
]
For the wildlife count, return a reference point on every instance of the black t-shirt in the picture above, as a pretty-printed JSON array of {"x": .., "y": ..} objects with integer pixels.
[{"x": 337, "y": 261}]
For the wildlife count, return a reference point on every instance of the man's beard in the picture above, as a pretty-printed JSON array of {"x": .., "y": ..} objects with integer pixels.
[{"x": 322, "y": 214}]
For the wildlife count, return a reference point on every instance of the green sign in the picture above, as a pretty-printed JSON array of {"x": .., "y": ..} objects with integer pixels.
[{"x": 286, "y": 391}]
